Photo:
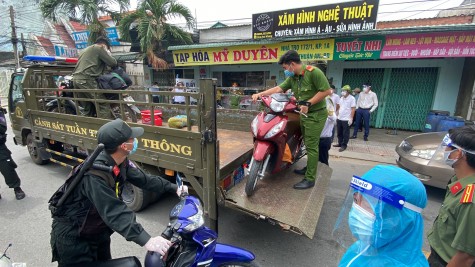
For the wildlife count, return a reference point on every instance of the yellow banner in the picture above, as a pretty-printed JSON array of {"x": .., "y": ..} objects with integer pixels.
[{"x": 248, "y": 54}]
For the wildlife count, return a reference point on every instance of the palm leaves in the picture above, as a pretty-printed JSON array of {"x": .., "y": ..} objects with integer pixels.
[
  {"x": 85, "y": 11},
  {"x": 151, "y": 21}
]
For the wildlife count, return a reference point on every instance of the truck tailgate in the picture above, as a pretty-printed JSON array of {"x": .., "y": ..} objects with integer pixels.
[{"x": 275, "y": 200}]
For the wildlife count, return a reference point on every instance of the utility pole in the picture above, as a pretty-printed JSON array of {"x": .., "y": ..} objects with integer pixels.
[
  {"x": 14, "y": 38},
  {"x": 23, "y": 45}
]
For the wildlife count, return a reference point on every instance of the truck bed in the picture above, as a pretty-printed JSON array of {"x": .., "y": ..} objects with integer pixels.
[{"x": 235, "y": 147}]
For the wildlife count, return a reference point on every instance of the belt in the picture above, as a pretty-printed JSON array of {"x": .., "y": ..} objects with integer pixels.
[
  {"x": 317, "y": 110},
  {"x": 435, "y": 259},
  {"x": 365, "y": 108},
  {"x": 178, "y": 102}
]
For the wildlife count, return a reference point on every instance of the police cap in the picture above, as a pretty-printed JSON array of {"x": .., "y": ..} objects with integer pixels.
[{"x": 116, "y": 132}]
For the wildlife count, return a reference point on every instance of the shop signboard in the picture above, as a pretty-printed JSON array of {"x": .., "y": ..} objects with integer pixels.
[
  {"x": 309, "y": 50},
  {"x": 358, "y": 48},
  {"x": 331, "y": 18},
  {"x": 430, "y": 45},
  {"x": 81, "y": 38},
  {"x": 64, "y": 51}
]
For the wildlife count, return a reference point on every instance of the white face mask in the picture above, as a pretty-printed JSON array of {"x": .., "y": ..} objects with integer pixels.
[
  {"x": 366, "y": 89},
  {"x": 344, "y": 93}
]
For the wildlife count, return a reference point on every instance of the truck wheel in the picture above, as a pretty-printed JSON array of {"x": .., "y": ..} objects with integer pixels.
[
  {"x": 136, "y": 198},
  {"x": 253, "y": 177},
  {"x": 240, "y": 264},
  {"x": 33, "y": 150}
]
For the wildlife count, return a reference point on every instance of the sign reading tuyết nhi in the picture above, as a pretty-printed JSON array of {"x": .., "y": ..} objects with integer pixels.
[{"x": 342, "y": 17}]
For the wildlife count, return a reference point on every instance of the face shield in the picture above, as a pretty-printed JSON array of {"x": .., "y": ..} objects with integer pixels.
[
  {"x": 371, "y": 217},
  {"x": 441, "y": 154}
]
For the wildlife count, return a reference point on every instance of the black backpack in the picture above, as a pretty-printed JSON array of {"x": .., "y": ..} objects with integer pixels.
[{"x": 117, "y": 79}]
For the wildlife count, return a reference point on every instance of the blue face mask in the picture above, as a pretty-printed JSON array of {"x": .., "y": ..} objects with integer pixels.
[
  {"x": 289, "y": 73},
  {"x": 361, "y": 223},
  {"x": 448, "y": 161},
  {"x": 134, "y": 148}
]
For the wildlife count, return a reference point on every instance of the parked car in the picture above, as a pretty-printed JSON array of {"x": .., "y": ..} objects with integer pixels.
[{"x": 421, "y": 155}]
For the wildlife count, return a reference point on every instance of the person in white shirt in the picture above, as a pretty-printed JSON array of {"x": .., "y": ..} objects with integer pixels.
[
  {"x": 179, "y": 99},
  {"x": 326, "y": 135},
  {"x": 345, "y": 117},
  {"x": 336, "y": 103},
  {"x": 367, "y": 103}
]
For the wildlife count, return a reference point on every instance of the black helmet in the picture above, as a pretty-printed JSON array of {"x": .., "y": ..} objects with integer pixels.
[
  {"x": 153, "y": 259},
  {"x": 103, "y": 40}
]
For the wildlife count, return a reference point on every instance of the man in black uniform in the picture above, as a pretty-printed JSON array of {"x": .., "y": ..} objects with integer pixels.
[
  {"x": 7, "y": 165},
  {"x": 94, "y": 210}
]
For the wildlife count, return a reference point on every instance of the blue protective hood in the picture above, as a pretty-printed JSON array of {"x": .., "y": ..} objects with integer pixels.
[{"x": 398, "y": 233}]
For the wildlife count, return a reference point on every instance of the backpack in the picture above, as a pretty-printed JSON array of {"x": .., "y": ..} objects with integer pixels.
[
  {"x": 117, "y": 79},
  {"x": 56, "y": 197}
]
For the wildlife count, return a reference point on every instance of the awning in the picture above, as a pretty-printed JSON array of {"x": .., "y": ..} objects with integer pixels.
[{"x": 127, "y": 57}]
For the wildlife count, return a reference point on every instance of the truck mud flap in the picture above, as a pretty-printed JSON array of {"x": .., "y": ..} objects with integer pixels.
[{"x": 276, "y": 201}]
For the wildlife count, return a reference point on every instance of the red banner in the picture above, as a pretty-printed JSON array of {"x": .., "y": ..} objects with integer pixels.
[{"x": 429, "y": 45}]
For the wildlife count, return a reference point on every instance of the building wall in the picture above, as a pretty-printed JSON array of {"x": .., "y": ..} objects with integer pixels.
[
  {"x": 233, "y": 33},
  {"x": 450, "y": 74},
  {"x": 466, "y": 94}
]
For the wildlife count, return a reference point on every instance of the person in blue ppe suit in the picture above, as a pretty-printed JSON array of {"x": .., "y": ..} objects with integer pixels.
[{"x": 382, "y": 212}]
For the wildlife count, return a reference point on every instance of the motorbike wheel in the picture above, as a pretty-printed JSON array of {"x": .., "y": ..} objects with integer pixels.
[
  {"x": 67, "y": 110},
  {"x": 253, "y": 177},
  {"x": 240, "y": 264},
  {"x": 130, "y": 115},
  {"x": 33, "y": 150}
]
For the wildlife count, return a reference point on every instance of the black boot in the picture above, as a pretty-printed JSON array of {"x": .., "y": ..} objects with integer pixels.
[
  {"x": 19, "y": 194},
  {"x": 301, "y": 171},
  {"x": 304, "y": 184}
]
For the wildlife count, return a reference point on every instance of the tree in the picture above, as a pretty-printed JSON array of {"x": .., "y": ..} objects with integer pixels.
[
  {"x": 150, "y": 21},
  {"x": 84, "y": 11}
]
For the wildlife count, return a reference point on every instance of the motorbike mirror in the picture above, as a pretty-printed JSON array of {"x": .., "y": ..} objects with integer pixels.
[{"x": 179, "y": 179}]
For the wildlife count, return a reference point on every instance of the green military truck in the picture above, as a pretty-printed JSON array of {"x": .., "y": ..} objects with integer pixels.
[{"x": 210, "y": 153}]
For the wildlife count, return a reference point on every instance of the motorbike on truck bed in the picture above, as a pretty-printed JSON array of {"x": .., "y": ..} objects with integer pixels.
[{"x": 210, "y": 152}]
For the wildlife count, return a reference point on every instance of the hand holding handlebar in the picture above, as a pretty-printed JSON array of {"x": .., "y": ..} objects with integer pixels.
[
  {"x": 182, "y": 190},
  {"x": 255, "y": 97},
  {"x": 158, "y": 244}
]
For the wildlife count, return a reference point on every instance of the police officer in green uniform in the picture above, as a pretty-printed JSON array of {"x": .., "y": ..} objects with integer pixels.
[
  {"x": 91, "y": 64},
  {"x": 7, "y": 165},
  {"x": 310, "y": 87},
  {"x": 94, "y": 210},
  {"x": 452, "y": 237}
]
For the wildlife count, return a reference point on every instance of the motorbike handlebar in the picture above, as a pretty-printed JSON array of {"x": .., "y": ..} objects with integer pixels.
[{"x": 301, "y": 113}]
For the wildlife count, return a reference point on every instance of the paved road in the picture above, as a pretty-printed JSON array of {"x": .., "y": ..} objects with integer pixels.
[{"x": 27, "y": 223}]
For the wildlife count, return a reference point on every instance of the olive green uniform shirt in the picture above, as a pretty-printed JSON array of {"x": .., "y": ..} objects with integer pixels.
[
  {"x": 454, "y": 227},
  {"x": 92, "y": 62},
  {"x": 307, "y": 85}
]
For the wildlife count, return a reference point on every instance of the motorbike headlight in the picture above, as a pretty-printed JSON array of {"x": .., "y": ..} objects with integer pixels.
[
  {"x": 277, "y": 106},
  {"x": 196, "y": 220},
  {"x": 274, "y": 130},
  {"x": 254, "y": 126}
]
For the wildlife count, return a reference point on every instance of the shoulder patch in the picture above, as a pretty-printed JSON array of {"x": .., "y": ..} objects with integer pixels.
[
  {"x": 467, "y": 196},
  {"x": 456, "y": 188},
  {"x": 310, "y": 68}
]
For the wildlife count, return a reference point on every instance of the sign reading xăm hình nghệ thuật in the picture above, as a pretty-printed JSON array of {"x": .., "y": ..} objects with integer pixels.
[{"x": 341, "y": 17}]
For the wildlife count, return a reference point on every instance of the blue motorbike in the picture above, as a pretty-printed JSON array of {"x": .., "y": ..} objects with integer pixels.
[{"x": 193, "y": 244}]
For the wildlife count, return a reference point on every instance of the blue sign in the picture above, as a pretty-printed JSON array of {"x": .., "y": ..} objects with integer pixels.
[
  {"x": 81, "y": 38},
  {"x": 63, "y": 51}
]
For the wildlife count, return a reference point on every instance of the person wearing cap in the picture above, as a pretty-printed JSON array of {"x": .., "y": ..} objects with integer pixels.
[
  {"x": 345, "y": 117},
  {"x": 452, "y": 237},
  {"x": 95, "y": 208},
  {"x": 366, "y": 104},
  {"x": 380, "y": 221},
  {"x": 91, "y": 64},
  {"x": 310, "y": 87}
]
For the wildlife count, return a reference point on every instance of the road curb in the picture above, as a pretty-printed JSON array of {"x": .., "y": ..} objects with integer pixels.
[{"x": 363, "y": 156}]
